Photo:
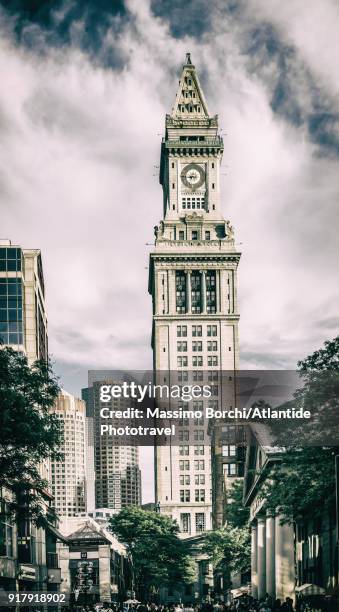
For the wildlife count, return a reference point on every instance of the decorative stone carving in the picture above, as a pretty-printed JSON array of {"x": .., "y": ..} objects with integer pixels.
[{"x": 229, "y": 230}]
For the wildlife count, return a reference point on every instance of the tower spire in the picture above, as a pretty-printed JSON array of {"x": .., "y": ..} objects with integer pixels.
[{"x": 190, "y": 101}]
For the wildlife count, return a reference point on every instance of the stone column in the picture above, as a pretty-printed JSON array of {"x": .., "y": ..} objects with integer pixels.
[
  {"x": 188, "y": 291},
  {"x": 284, "y": 560},
  {"x": 254, "y": 559},
  {"x": 270, "y": 554},
  {"x": 170, "y": 288},
  {"x": 261, "y": 557},
  {"x": 203, "y": 291}
]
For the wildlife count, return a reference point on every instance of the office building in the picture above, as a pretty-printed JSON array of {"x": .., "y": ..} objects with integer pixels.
[
  {"x": 69, "y": 473},
  {"x": 117, "y": 472},
  {"x": 23, "y": 321}
]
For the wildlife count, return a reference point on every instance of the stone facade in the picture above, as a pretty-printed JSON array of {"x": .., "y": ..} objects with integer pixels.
[
  {"x": 94, "y": 565},
  {"x": 193, "y": 283},
  {"x": 273, "y": 563}
]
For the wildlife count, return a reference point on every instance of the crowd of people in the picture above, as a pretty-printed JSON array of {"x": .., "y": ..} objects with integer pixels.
[
  {"x": 245, "y": 603},
  {"x": 241, "y": 604}
]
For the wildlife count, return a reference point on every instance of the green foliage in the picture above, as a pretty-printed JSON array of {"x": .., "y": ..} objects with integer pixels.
[
  {"x": 159, "y": 557},
  {"x": 237, "y": 514},
  {"x": 29, "y": 433},
  {"x": 303, "y": 482},
  {"x": 229, "y": 549}
]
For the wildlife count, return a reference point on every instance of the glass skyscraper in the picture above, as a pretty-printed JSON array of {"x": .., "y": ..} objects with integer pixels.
[{"x": 23, "y": 322}]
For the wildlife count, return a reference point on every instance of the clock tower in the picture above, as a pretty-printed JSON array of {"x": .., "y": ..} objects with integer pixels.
[{"x": 193, "y": 284}]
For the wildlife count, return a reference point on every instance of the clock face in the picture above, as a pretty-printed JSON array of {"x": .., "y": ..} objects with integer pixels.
[{"x": 193, "y": 176}]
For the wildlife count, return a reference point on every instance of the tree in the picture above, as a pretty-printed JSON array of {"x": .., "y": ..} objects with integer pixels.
[
  {"x": 237, "y": 514},
  {"x": 229, "y": 549},
  {"x": 303, "y": 480},
  {"x": 29, "y": 433},
  {"x": 159, "y": 557}
]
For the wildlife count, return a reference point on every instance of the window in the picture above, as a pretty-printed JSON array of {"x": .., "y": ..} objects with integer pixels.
[
  {"x": 213, "y": 404},
  {"x": 172, "y": 164},
  {"x": 212, "y": 185},
  {"x": 212, "y": 345},
  {"x": 199, "y": 479},
  {"x": 182, "y": 362},
  {"x": 6, "y": 536},
  {"x": 198, "y": 435},
  {"x": 212, "y": 164},
  {"x": 199, "y": 450},
  {"x": 212, "y": 361},
  {"x": 11, "y": 319},
  {"x": 182, "y": 376},
  {"x": 210, "y": 292},
  {"x": 229, "y": 450},
  {"x": 181, "y": 235},
  {"x": 184, "y": 450},
  {"x": 194, "y": 234},
  {"x": 185, "y": 479},
  {"x": 197, "y": 361},
  {"x": 184, "y": 435},
  {"x": 180, "y": 285},
  {"x": 200, "y": 521},
  {"x": 184, "y": 495},
  {"x": 184, "y": 465},
  {"x": 212, "y": 330},
  {"x": 196, "y": 346},
  {"x": 182, "y": 346},
  {"x": 185, "y": 522},
  {"x": 183, "y": 422},
  {"x": 230, "y": 469},
  {"x": 207, "y": 235},
  {"x": 199, "y": 465},
  {"x": 198, "y": 422},
  {"x": 181, "y": 331},
  {"x": 198, "y": 375},
  {"x": 199, "y": 495},
  {"x": 196, "y": 202},
  {"x": 196, "y": 330}
]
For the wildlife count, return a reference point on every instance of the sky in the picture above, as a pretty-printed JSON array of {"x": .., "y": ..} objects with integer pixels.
[{"x": 85, "y": 86}]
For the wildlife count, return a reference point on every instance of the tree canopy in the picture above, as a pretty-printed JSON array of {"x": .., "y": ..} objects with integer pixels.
[
  {"x": 303, "y": 481},
  {"x": 29, "y": 432},
  {"x": 159, "y": 557}
]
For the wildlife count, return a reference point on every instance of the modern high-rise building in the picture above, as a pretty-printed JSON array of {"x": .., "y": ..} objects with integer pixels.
[
  {"x": 117, "y": 472},
  {"x": 193, "y": 282},
  {"x": 69, "y": 473},
  {"x": 29, "y": 559},
  {"x": 23, "y": 321}
]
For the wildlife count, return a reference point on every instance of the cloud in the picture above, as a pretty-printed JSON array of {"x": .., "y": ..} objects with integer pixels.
[{"x": 81, "y": 116}]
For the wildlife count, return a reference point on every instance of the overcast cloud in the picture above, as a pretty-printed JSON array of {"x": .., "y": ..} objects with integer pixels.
[{"x": 84, "y": 92}]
